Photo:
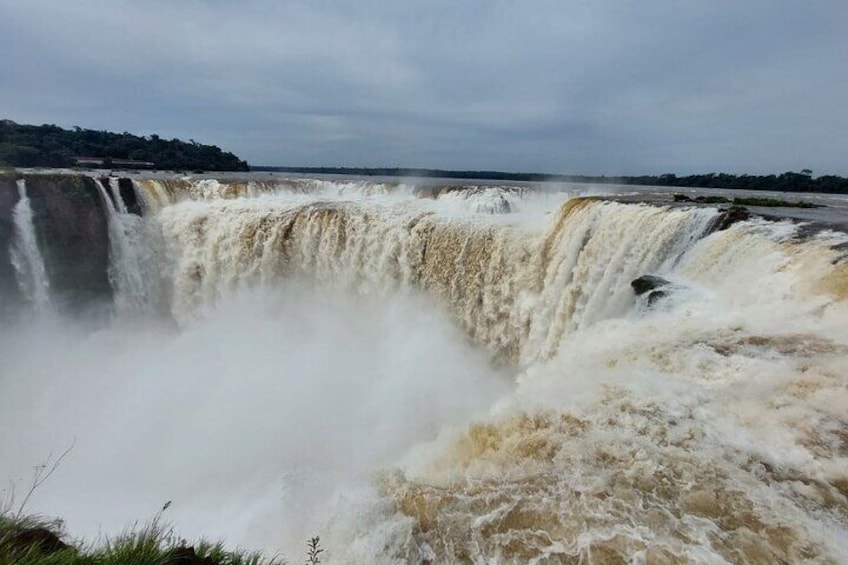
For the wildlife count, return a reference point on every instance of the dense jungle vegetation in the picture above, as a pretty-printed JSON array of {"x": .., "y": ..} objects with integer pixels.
[{"x": 52, "y": 146}]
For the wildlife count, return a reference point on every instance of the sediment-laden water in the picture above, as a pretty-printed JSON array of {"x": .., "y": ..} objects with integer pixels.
[{"x": 443, "y": 374}]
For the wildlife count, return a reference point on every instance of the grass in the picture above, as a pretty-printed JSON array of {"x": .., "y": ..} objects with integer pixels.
[
  {"x": 27, "y": 539},
  {"x": 12, "y": 552},
  {"x": 154, "y": 543}
]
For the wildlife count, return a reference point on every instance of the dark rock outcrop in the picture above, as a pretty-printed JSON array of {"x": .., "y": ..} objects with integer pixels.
[
  {"x": 728, "y": 217},
  {"x": 9, "y": 294},
  {"x": 126, "y": 192},
  {"x": 648, "y": 283},
  {"x": 129, "y": 196},
  {"x": 72, "y": 231},
  {"x": 652, "y": 286},
  {"x": 41, "y": 539}
]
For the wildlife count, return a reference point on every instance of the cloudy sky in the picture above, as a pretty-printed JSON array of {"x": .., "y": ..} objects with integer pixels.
[{"x": 567, "y": 86}]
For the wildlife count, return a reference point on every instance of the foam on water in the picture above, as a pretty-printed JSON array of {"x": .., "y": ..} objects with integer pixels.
[{"x": 331, "y": 374}]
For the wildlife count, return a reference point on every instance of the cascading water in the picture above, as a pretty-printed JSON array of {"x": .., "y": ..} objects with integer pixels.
[
  {"x": 130, "y": 271},
  {"x": 25, "y": 254},
  {"x": 499, "y": 281},
  {"x": 319, "y": 383},
  {"x": 712, "y": 431},
  {"x": 115, "y": 189}
]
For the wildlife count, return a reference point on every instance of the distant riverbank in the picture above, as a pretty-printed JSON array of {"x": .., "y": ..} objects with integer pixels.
[{"x": 785, "y": 182}]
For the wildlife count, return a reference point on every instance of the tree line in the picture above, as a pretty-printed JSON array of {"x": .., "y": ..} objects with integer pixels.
[
  {"x": 52, "y": 146},
  {"x": 785, "y": 182}
]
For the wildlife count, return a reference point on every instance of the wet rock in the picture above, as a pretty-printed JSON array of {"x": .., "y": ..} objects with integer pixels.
[
  {"x": 129, "y": 196},
  {"x": 655, "y": 295},
  {"x": 728, "y": 217},
  {"x": 9, "y": 294},
  {"x": 71, "y": 227},
  {"x": 647, "y": 283},
  {"x": 126, "y": 192},
  {"x": 41, "y": 539},
  {"x": 651, "y": 286}
]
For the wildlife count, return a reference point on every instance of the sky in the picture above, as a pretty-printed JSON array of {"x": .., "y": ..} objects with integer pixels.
[{"x": 559, "y": 86}]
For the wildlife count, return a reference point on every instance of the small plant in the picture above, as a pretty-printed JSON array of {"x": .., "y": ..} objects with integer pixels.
[
  {"x": 40, "y": 474},
  {"x": 35, "y": 540},
  {"x": 313, "y": 551}
]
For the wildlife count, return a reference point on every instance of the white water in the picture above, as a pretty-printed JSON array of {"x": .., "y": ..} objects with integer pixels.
[
  {"x": 516, "y": 291},
  {"x": 115, "y": 189},
  {"x": 253, "y": 423},
  {"x": 132, "y": 257},
  {"x": 330, "y": 377},
  {"x": 26, "y": 257}
]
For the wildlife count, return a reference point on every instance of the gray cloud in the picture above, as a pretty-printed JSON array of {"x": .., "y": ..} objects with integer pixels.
[{"x": 578, "y": 86}]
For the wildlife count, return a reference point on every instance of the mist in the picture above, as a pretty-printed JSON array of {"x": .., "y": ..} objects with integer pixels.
[{"x": 253, "y": 421}]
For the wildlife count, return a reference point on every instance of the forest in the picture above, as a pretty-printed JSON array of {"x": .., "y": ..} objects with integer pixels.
[{"x": 52, "y": 146}]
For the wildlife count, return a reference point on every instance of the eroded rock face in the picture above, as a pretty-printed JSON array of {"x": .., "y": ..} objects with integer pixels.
[
  {"x": 9, "y": 295},
  {"x": 129, "y": 196},
  {"x": 71, "y": 226}
]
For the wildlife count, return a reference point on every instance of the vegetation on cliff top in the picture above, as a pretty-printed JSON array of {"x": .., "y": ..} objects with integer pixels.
[{"x": 52, "y": 146}]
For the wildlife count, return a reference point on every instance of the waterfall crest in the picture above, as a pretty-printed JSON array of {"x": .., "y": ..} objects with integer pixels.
[
  {"x": 131, "y": 273},
  {"x": 25, "y": 254}
]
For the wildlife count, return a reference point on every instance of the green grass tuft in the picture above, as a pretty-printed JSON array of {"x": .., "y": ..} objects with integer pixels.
[{"x": 154, "y": 543}]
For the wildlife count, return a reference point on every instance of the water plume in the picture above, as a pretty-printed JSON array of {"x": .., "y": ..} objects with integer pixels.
[{"x": 251, "y": 422}]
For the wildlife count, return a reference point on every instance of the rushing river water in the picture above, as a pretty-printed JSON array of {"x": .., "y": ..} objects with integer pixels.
[{"x": 442, "y": 374}]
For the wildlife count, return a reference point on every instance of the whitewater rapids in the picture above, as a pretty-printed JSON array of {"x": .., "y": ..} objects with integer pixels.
[{"x": 439, "y": 376}]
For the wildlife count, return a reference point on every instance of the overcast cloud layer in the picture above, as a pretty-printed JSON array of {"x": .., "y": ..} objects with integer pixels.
[{"x": 618, "y": 87}]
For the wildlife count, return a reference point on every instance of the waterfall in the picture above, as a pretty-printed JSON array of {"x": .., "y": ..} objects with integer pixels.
[
  {"x": 446, "y": 374},
  {"x": 516, "y": 292},
  {"x": 26, "y": 257},
  {"x": 115, "y": 189},
  {"x": 130, "y": 273}
]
